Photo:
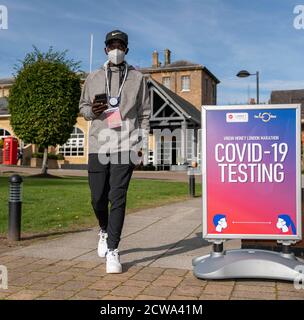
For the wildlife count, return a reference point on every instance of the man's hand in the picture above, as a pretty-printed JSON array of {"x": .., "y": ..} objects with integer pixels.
[{"x": 98, "y": 108}]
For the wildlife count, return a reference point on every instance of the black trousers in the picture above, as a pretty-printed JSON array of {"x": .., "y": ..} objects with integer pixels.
[{"x": 109, "y": 185}]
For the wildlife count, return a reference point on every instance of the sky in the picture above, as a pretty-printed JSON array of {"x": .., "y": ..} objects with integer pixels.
[{"x": 226, "y": 36}]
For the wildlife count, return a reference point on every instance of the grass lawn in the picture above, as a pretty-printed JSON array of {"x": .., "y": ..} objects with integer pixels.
[{"x": 65, "y": 203}]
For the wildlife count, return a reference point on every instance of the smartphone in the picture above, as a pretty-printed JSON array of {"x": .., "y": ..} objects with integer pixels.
[{"x": 101, "y": 98}]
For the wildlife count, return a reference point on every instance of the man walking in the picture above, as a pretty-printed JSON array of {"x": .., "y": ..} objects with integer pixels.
[{"x": 116, "y": 99}]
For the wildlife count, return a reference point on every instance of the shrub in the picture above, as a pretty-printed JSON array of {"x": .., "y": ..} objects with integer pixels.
[
  {"x": 50, "y": 155},
  {"x": 148, "y": 167}
]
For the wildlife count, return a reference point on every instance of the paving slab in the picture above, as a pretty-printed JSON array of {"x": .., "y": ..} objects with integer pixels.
[
  {"x": 157, "y": 249},
  {"x": 166, "y": 236}
]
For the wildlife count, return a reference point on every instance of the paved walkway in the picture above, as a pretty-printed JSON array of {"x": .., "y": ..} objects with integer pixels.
[
  {"x": 161, "y": 175},
  {"x": 156, "y": 249}
]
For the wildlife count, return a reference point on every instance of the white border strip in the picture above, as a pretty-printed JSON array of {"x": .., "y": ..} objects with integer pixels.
[{"x": 205, "y": 234}]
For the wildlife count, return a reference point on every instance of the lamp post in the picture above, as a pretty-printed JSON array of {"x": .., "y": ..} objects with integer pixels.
[{"x": 245, "y": 74}]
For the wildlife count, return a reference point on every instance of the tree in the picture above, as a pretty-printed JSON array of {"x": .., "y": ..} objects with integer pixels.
[{"x": 43, "y": 101}]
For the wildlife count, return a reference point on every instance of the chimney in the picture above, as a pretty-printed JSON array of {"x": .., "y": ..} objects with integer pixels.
[
  {"x": 167, "y": 57},
  {"x": 155, "y": 63}
]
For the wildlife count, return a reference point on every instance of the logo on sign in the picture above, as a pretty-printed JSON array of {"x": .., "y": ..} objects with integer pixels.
[
  {"x": 265, "y": 116},
  {"x": 237, "y": 117}
]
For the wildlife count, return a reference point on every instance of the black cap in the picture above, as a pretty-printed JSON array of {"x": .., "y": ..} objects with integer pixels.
[{"x": 117, "y": 35}]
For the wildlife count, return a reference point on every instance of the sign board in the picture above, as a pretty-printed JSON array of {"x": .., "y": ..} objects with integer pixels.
[{"x": 251, "y": 172}]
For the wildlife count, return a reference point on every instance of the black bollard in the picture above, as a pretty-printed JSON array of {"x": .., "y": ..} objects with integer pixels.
[
  {"x": 14, "y": 208},
  {"x": 192, "y": 183},
  {"x": 218, "y": 247},
  {"x": 286, "y": 249}
]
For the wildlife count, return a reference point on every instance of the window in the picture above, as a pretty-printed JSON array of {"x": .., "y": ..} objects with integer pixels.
[
  {"x": 151, "y": 157},
  {"x": 214, "y": 92},
  {"x": 4, "y": 133},
  {"x": 166, "y": 82},
  {"x": 185, "y": 83},
  {"x": 206, "y": 87},
  {"x": 75, "y": 145}
]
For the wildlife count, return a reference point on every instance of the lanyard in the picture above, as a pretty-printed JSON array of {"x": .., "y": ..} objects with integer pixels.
[{"x": 113, "y": 101}]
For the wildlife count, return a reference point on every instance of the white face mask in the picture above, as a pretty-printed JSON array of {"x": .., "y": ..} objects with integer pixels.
[{"x": 116, "y": 56}]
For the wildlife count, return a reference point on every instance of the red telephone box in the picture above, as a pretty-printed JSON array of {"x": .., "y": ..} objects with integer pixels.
[{"x": 10, "y": 147}]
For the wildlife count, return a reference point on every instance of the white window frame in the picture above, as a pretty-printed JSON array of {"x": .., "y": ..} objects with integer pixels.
[
  {"x": 183, "y": 83},
  {"x": 164, "y": 79},
  {"x": 73, "y": 146},
  {"x": 151, "y": 157},
  {"x": 5, "y": 134}
]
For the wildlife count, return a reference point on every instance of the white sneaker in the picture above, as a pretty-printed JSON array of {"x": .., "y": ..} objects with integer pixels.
[
  {"x": 113, "y": 264},
  {"x": 102, "y": 244}
]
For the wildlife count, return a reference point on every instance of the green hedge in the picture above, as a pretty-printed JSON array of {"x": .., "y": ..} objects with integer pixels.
[
  {"x": 148, "y": 167},
  {"x": 50, "y": 156}
]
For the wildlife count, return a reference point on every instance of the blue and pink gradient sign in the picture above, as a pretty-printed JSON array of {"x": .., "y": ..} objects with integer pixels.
[{"x": 251, "y": 172}]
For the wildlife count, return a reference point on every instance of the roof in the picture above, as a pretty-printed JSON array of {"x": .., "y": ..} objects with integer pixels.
[
  {"x": 180, "y": 65},
  {"x": 288, "y": 96},
  {"x": 7, "y": 81},
  {"x": 3, "y": 106},
  {"x": 188, "y": 109}
]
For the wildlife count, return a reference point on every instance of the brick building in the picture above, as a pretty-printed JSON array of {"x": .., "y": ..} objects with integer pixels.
[
  {"x": 193, "y": 82},
  {"x": 291, "y": 96},
  {"x": 177, "y": 92}
]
